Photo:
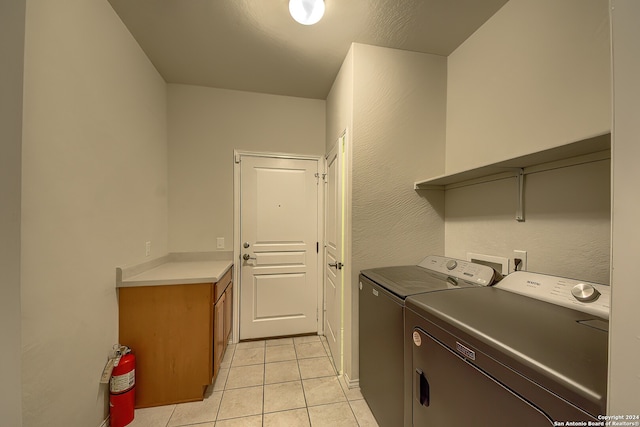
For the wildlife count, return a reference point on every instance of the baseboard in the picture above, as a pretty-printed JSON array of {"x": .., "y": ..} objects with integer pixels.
[{"x": 351, "y": 383}]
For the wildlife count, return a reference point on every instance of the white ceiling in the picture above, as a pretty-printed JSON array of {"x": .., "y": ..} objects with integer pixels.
[{"x": 255, "y": 45}]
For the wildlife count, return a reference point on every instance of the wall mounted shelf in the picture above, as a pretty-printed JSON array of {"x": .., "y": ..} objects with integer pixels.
[{"x": 585, "y": 151}]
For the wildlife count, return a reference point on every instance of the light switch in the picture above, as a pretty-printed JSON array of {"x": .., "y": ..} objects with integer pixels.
[{"x": 220, "y": 242}]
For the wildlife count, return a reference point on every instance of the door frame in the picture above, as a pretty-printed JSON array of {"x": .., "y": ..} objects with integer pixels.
[
  {"x": 341, "y": 146},
  {"x": 237, "y": 155}
]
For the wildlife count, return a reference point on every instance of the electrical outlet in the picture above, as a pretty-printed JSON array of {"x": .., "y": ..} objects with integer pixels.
[
  {"x": 220, "y": 243},
  {"x": 522, "y": 256},
  {"x": 147, "y": 249}
]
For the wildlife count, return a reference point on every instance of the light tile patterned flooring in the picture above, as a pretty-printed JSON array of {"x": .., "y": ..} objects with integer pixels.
[{"x": 287, "y": 382}]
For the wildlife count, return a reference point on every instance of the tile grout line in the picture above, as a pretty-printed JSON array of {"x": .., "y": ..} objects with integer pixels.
[
  {"x": 264, "y": 379},
  {"x": 169, "y": 419},
  {"x": 332, "y": 376},
  {"x": 355, "y": 416},
  {"x": 224, "y": 386},
  {"x": 306, "y": 403},
  {"x": 264, "y": 364}
]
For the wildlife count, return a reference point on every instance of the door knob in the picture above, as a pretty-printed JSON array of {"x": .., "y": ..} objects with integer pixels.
[
  {"x": 336, "y": 264},
  {"x": 247, "y": 257}
]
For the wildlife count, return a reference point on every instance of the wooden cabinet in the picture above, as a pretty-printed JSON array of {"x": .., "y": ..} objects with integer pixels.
[
  {"x": 178, "y": 334},
  {"x": 218, "y": 334},
  {"x": 222, "y": 310},
  {"x": 228, "y": 312}
]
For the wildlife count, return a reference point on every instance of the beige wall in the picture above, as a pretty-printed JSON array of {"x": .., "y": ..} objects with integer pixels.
[
  {"x": 397, "y": 136},
  {"x": 534, "y": 76},
  {"x": 624, "y": 374},
  {"x": 339, "y": 104},
  {"x": 94, "y": 190},
  {"x": 340, "y": 120},
  {"x": 205, "y": 126},
  {"x": 514, "y": 89},
  {"x": 12, "y": 21},
  {"x": 567, "y": 221}
]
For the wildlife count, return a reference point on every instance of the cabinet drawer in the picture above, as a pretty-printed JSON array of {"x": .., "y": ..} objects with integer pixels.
[{"x": 222, "y": 284}]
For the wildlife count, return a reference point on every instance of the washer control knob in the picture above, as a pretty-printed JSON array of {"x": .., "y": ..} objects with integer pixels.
[
  {"x": 451, "y": 264},
  {"x": 584, "y": 292}
]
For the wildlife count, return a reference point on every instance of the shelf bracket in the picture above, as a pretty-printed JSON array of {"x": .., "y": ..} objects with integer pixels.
[{"x": 520, "y": 201}]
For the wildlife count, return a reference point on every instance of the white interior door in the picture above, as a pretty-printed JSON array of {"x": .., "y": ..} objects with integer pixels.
[
  {"x": 279, "y": 246},
  {"x": 333, "y": 273}
]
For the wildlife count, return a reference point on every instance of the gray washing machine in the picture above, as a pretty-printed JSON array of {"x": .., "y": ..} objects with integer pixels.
[
  {"x": 530, "y": 351},
  {"x": 381, "y": 318}
]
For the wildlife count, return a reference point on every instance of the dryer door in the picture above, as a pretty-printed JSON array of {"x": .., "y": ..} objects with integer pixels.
[{"x": 448, "y": 390}]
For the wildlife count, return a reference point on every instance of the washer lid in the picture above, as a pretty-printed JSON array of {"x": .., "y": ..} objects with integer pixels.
[
  {"x": 434, "y": 273},
  {"x": 556, "y": 347},
  {"x": 410, "y": 280}
]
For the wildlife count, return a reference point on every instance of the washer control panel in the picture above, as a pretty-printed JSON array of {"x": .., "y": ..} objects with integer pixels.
[
  {"x": 459, "y": 269},
  {"x": 588, "y": 297}
]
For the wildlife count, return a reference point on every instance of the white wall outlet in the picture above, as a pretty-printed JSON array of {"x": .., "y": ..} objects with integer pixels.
[
  {"x": 498, "y": 263},
  {"x": 147, "y": 249},
  {"x": 220, "y": 243},
  {"x": 522, "y": 256}
]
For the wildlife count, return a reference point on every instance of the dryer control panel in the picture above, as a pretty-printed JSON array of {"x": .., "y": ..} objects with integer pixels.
[
  {"x": 459, "y": 269},
  {"x": 588, "y": 297}
]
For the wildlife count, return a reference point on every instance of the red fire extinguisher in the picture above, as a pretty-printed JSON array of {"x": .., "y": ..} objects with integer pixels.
[{"x": 122, "y": 388}]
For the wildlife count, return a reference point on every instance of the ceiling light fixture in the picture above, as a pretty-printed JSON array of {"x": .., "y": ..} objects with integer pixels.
[{"x": 306, "y": 12}]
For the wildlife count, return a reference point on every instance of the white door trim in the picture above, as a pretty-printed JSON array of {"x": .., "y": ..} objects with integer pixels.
[
  {"x": 237, "y": 156},
  {"x": 339, "y": 148}
]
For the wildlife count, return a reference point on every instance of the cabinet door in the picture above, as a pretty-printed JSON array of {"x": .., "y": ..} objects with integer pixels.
[
  {"x": 228, "y": 311},
  {"x": 169, "y": 329},
  {"x": 218, "y": 334}
]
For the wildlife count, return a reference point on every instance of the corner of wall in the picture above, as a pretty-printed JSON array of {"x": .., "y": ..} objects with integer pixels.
[{"x": 12, "y": 32}]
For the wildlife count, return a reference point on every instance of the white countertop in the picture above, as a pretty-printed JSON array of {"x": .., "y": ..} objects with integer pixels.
[{"x": 179, "y": 272}]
